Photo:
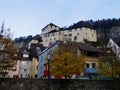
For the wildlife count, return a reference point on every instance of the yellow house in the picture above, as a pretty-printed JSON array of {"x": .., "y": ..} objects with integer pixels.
[
  {"x": 34, "y": 67},
  {"x": 91, "y": 55}
]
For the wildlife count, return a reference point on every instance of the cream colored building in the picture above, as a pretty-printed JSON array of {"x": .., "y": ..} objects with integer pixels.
[
  {"x": 49, "y": 28},
  {"x": 34, "y": 67},
  {"x": 52, "y": 33}
]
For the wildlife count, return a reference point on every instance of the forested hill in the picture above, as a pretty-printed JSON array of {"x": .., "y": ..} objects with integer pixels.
[{"x": 104, "y": 24}]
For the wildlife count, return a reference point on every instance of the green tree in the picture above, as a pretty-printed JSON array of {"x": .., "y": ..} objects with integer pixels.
[{"x": 66, "y": 61}]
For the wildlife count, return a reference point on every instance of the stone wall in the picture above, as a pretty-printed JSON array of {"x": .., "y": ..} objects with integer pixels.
[{"x": 42, "y": 84}]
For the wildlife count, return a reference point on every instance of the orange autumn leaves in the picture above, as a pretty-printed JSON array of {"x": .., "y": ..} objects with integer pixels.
[{"x": 65, "y": 62}]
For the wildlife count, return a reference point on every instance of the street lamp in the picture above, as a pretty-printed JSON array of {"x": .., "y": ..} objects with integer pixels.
[{"x": 48, "y": 69}]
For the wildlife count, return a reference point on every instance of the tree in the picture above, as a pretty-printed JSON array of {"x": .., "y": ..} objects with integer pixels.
[
  {"x": 110, "y": 69},
  {"x": 65, "y": 60},
  {"x": 109, "y": 66},
  {"x": 7, "y": 50}
]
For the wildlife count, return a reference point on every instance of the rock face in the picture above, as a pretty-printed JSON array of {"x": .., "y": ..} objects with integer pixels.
[{"x": 55, "y": 84}]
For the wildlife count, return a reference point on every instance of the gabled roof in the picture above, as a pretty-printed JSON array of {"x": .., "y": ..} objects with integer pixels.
[{"x": 51, "y": 24}]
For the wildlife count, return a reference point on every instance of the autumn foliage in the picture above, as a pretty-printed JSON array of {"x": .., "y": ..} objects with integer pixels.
[
  {"x": 109, "y": 66},
  {"x": 110, "y": 69},
  {"x": 7, "y": 51},
  {"x": 65, "y": 60}
]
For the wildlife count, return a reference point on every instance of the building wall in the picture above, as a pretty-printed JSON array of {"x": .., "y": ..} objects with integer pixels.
[
  {"x": 25, "y": 68},
  {"x": 15, "y": 72},
  {"x": 91, "y": 64},
  {"x": 89, "y": 34},
  {"x": 43, "y": 59},
  {"x": 51, "y": 37},
  {"x": 49, "y": 28},
  {"x": 34, "y": 67},
  {"x": 77, "y": 35}
]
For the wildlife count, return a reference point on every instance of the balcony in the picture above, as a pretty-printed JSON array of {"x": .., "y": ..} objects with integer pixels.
[{"x": 90, "y": 70}]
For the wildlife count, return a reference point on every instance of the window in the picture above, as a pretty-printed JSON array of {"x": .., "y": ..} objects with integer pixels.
[
  {"x": 87, "y": 65},
  {"x": 93, "y": 65},
  {"x": 65, "y": 35},
  {"x": 48, "y": 35},
  {"x": 23, "y": 62},
  {"x": 27, "y": 62},
  {"x": 77, "y": 33},
  {"x": 75, "y": 38},
  {"x": 14, "y": 69},
  {"x": 46, "y": 40},
  {"x": 53, "y": 34},
  {"x": 86, "y": 33},
  {"x": 59, "y": 38},
  {"x": 37, "y": 67},
  {"x": 92, "y": 34},
  {"x": 25, "y": 70},
  {"x": 70, "y": 35}
]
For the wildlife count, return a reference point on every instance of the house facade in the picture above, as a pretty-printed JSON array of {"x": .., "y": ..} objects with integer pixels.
[
  {"x": 89, "y": 52},
  {"x": 15, "y": 71},
  {"x": 43, "y": 60},
  {"x": 91, "y": 55},
  {"x": 25, "y": 65},
  {"x": 76, "y": 34},
  {"x": 49, "y": 28}
]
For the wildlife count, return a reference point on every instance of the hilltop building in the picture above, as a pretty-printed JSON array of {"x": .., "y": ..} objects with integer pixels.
[{"x": 53, "y": 33}]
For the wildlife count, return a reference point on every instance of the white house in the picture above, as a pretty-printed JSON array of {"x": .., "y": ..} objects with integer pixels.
[{"x": 25, "y": 65}]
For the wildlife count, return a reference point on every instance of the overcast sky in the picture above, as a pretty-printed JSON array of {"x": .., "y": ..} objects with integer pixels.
[{"x": 28, "y": 17}]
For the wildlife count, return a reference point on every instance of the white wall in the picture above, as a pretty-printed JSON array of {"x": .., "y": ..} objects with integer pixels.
[{"x": 79, "y": 33}]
